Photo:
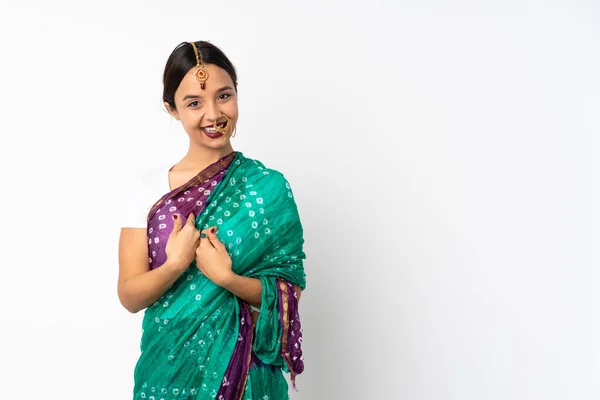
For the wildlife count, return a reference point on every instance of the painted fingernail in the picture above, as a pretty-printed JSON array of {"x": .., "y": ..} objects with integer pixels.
[
  {"x": 212, "y": 230},
  {"x": 174, "y": 216}
]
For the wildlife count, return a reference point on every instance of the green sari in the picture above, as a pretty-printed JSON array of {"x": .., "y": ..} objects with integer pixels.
[{"x": 198, "y": 341}]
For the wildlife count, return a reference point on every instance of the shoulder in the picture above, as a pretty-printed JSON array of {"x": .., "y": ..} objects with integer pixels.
[
  {"x": 145, "y": 187},
  {"x": 267, "y": 184},
  {"x": 151, "y": 175},
  {"x": 150, "y": 181},
  {"x": 256, "y": 173}
]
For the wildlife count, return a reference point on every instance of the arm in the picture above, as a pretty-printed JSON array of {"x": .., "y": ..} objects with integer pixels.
[
  {"x": 215, "y": 263},
  {"x": 248, "y": 289},
  {"x": 138, "y": 287}
]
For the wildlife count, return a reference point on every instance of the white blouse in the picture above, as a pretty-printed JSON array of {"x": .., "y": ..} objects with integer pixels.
[{"x": 143, "y": 193}]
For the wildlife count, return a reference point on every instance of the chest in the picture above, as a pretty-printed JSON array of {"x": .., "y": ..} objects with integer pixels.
[{"x": 180, "y": 178}]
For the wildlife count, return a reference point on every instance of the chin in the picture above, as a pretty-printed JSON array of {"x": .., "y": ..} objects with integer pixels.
[{"x": 214, "y": 143}]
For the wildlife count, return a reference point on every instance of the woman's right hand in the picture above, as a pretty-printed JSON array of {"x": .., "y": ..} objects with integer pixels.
[{"x": 182, "y": 243}]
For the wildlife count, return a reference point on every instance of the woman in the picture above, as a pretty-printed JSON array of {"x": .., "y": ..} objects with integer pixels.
[{"x": 212, "y": 249}]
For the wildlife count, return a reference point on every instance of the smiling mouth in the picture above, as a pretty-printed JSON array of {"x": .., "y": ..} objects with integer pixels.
[{"x": 211, "y": 129}]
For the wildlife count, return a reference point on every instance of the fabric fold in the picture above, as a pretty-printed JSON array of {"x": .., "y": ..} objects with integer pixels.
[{"x": 197, "y": 339}]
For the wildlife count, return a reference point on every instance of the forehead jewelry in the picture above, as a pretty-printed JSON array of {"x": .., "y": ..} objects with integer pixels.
[
  {"x": 224, "y": 129},
  {"x": 201, "y": 73}
]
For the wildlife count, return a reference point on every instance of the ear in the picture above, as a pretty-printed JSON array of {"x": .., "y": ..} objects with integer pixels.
[{"x": 171, "y": 111}]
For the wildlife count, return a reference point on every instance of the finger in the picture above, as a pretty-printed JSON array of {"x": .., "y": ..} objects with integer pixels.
[
  {"x": 199, "y": 266},
  {"x": 191, "y": 220},
  {"x": 176, "y": 224},
  {"x": 298, "y": 292},
  {"x": 204, "y": 238},
  {"x": 214, "y": 239}
]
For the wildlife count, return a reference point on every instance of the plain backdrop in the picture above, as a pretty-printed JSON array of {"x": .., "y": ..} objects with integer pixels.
[{"x": 444, "y": 157}]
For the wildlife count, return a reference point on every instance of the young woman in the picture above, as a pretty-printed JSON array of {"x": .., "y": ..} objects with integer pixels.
[{"x": 212, "y": 249}]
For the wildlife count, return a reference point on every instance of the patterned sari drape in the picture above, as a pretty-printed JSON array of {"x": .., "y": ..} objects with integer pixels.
[{"x": 198, "y": 341}]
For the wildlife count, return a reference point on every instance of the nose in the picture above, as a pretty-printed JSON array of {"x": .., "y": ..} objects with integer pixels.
[{"x": 212, "y": 112}]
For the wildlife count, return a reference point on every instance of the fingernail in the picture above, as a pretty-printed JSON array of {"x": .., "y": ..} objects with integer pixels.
[
  {"x": 212, "y": 230},
  {"x": 174, "y": 216}
]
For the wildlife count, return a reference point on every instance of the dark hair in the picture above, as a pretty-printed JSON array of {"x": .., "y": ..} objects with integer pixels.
[{"x": 183, "y": 58}]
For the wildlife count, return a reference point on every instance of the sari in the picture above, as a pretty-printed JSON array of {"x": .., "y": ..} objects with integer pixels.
[{"x": 198, "y": 340}]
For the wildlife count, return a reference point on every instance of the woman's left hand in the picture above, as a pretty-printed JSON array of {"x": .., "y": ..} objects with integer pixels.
[{"x": 212, "y": 258}]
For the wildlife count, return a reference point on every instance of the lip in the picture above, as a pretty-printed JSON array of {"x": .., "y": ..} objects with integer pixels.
[
  {"x": 218, "y": 123},
  {"x": 213, "y": 135}
]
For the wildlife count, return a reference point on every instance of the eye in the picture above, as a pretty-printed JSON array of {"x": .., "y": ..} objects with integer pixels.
[
  {"x": 227, "y": 95},
  {"x": 193, "y": 104}
]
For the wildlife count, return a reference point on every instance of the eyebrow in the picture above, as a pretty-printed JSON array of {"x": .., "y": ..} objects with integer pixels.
[{"x": 193, "y": 96}]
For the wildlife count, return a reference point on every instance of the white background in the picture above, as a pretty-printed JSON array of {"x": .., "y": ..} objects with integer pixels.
[{"x": 444, "y": 159}]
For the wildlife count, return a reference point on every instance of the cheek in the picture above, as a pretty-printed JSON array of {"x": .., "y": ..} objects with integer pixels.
[
  {"x": 231, "y": 109},
  {"x": 190, "y": 119}
]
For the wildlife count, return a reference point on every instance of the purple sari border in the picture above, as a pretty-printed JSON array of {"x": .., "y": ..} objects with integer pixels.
[
  {"x": 200, "y": 178},
  {"x": 291, "y": 338},
  {"x": 236, "y": 376},
  {"x": 191, "y": 197}
]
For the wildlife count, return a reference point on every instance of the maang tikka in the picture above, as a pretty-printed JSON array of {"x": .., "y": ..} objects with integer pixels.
[
  {"x": 201, "y": 72},
  {"x": 202, "y": 76}
]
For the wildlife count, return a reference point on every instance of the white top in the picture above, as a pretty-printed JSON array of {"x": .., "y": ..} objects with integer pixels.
[{"x": 143, "y": 193}]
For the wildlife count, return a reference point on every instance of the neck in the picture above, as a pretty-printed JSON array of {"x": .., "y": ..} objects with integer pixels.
[{"x": 199, "y": 157}]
